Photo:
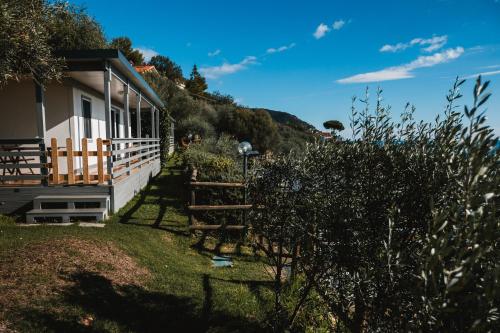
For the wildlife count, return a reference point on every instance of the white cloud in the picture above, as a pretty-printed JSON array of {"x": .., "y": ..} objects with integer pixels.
[
  {"x": 214, "y": 53},
  {"x": 473, "y": 76},
  {"x": 432, "y": 44},
  {"x": 281, "y": 48},
  {"x": 337, "y": 25},
  {"x": 394, "y": 48},
  {"x": 405, "y": 71},
  {"x": 147, "y": 53},
  {"x": 491, "y": 67},
  {"x": 321, "y": 31},
  {"x": 391, "y": 73},
  {"x": 435, "y": 43},
  {"x": 477, "y": 49},
  {"x": 226, "y": 68}
]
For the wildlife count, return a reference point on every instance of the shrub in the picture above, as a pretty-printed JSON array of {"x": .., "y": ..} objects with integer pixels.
[
  {"x": 256, "y": 127},
  {"x": 216, "y": 160},
  {"x": 195, "y": 125},
  {"x": 398, "y": 227}
]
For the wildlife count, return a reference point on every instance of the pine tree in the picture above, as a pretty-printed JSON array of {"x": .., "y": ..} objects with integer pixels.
[
  {"x": 167, "y": 67},
  {"x": 196, "y": 83},
  {"x": 124, "y": 44}
]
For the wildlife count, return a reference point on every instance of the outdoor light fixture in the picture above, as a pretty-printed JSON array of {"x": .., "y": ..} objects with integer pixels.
[{"x": 244, "y": 148}]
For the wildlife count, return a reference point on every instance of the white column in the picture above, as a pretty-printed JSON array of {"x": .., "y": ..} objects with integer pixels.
[
  {"x": 41, "y": 128},
  {"x": 153, "y": 127},
  {"x": 138, "y": 115},
  {"x": 107, "y": 115},
  {"x": 157, "y": 123},
  {"x": 171, "y": 141},
  {"x": 107, "y": 101},
  {"x": 40, "y": 110},
  {"x": 126, "y": 110}
]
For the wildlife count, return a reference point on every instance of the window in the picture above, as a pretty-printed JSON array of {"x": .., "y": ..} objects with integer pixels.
[{"x": 87, "y": 117}]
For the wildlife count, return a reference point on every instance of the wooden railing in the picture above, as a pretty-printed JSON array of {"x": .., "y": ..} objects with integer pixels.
[
  {"x": 88, "y": 173},
  {"x": 193, "y": 206},
  {"x": 131, "y": 154},
  {"x": 25, "y": 161}
]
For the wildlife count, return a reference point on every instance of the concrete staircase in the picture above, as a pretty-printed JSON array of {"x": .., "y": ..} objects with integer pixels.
[{"x": 69, "y": 208}]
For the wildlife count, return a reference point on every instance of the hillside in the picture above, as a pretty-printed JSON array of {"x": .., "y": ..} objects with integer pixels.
[
  {"x": 293, "y": 132},
  {"x": 288, "y": 119}
]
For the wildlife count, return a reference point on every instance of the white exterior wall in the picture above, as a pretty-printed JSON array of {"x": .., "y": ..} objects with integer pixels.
[
  {"x": 98, "y": 121},
  {"x": 58, "y": 115},
  {"x": 18, "y": 110}
]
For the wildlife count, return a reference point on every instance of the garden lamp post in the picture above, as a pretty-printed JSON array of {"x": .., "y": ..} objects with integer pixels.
[{"x": 245, "y": 149}]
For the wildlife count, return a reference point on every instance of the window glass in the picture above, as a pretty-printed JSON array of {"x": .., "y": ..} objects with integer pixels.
[{"x": 87, "y": 117}]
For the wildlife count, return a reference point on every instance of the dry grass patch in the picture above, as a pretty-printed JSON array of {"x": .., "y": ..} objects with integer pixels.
[
  {"x": 167, "y": 237},
  {"x": 40, "y": 271}
]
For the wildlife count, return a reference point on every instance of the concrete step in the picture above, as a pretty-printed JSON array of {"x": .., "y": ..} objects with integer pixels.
[
  {"x": 97, "y": 214},
  {"x": 72, "y": 197},
  {"x": 69, "y": 201}
]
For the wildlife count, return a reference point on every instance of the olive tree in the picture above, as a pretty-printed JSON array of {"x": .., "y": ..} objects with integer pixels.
[
  {"x": 399, "y": 224},
  {"x": 24, "y": 42}
]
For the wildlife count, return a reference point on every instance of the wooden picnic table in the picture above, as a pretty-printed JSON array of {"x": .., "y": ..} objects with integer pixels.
[{"x": 15, "y": 161}]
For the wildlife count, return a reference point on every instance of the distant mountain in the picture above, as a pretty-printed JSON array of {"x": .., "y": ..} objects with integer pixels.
[{"x": 290, "y": 120}]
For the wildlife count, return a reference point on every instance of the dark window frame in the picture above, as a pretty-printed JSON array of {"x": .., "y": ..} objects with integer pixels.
[{"x": 87, "y": 118}]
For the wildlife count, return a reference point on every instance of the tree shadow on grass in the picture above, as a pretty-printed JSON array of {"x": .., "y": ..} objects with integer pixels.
[
  {"x": 126, "y": 217},
  {"x": 256, "y": 287},
  {"x": 174, "y": 228},
  {"x": 131, "y": 308},
  {"x": 166, "y": 190},
  {"x": 201, "y": 248}
]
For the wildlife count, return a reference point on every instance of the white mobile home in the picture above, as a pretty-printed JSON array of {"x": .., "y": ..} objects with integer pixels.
[{"x": 82, "y": 147}]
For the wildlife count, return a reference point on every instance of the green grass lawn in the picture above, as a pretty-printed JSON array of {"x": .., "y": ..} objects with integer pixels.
[{"x": 128, "y": 276}]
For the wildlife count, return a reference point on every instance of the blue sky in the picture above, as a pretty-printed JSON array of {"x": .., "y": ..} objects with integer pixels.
[{"x": 310, "y": 57}]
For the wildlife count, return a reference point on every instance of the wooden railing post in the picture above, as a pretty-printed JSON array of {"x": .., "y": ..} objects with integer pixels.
[
  {"x": 128, "y": 145},
  {"x": 85, "y": 161},
  {"x": 194, "y": 175},
  {"x": 54, "y": 160},
  {"x": 109, "y": 161},
  {"x": 44, "y": 170},
  {"x": 69, "y": 159},
  {"x": 100, "y": 164},
  {"x": 193, "y": 202}
]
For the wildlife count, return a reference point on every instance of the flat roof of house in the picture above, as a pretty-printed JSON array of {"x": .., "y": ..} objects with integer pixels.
[{"x": 95, "y": 60}]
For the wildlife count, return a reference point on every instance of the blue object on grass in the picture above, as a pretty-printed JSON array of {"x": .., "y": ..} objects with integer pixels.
[{"x": 222, "y": 261}]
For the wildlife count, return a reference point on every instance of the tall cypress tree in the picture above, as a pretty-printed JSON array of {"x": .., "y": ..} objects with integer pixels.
[{"x": 196, "y": 83}]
